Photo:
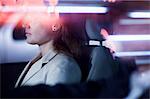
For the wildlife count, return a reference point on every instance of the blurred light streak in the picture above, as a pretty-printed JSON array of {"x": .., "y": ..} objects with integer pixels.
[
  {"x": 139, "y": 14},
  {"x": 135, "y": 53},
  {"x": 21, "y": 9},
  {"x": 82, "y": 0},
  {"x": 142, "y": 61},
  {"x": 81, "y": 9},
  {"x": 128, "y": 37},
  {"x": 134, "y": 21},
  {"x": 92, "y": 42},
  {"x": 60, "y": 9}
]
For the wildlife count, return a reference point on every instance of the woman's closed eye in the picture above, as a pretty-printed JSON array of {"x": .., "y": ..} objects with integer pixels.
[{"x": 27, "y": 26}]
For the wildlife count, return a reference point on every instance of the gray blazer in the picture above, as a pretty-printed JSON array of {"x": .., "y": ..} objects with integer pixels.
[{"x": 51, "y": 69}]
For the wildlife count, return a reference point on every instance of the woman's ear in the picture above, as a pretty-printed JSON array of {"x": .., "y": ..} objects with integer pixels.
[{"x": 55, "y": 27}]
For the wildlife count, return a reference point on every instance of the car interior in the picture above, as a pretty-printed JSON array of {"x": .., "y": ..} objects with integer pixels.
[{"x": 98, "y": 62}]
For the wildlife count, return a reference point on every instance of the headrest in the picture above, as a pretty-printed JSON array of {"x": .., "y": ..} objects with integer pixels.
[{"x": 93, "y": 30}]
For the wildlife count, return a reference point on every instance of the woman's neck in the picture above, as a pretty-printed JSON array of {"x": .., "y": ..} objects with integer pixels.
[{"x": 44, "y": 48}]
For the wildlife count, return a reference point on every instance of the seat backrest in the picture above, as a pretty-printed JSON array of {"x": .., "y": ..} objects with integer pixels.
[{"x": 102, "y": 64}]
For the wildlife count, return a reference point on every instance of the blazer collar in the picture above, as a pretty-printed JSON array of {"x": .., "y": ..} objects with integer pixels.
[{"x": 48, "y": 56}]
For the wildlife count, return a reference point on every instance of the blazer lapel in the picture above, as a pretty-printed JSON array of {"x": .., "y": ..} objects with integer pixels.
[
  {"x": 26, "y": 69},
  {"x": 45, "y": 59},
  {"x": 33, "y": 71}
]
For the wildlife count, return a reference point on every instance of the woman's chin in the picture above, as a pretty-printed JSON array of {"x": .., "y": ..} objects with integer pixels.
[{"x": 30, "y": 42}]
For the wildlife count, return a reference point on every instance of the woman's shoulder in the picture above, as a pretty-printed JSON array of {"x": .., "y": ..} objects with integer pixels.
[
  {"x": 62, "y": 60},
  {"x": 65, "y": 59},
  {"x": 65, "y": 63}
]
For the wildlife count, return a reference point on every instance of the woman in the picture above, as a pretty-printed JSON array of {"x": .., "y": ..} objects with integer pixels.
[{"x": 58, "y": 50}]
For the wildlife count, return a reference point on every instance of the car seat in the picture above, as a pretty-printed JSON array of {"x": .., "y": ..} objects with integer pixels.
[{"x": 102, "y": 64}]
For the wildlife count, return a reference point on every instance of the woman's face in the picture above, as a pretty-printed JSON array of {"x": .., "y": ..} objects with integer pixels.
[{"x": 38, "y": 28}]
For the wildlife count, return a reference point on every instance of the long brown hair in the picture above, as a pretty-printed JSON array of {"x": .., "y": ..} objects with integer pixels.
[
  {"x": 70, "y": 40},
  {"x": 70, "y": 37}
]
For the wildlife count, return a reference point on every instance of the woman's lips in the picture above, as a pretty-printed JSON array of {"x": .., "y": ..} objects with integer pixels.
[{"x": 27, "y": 34}]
